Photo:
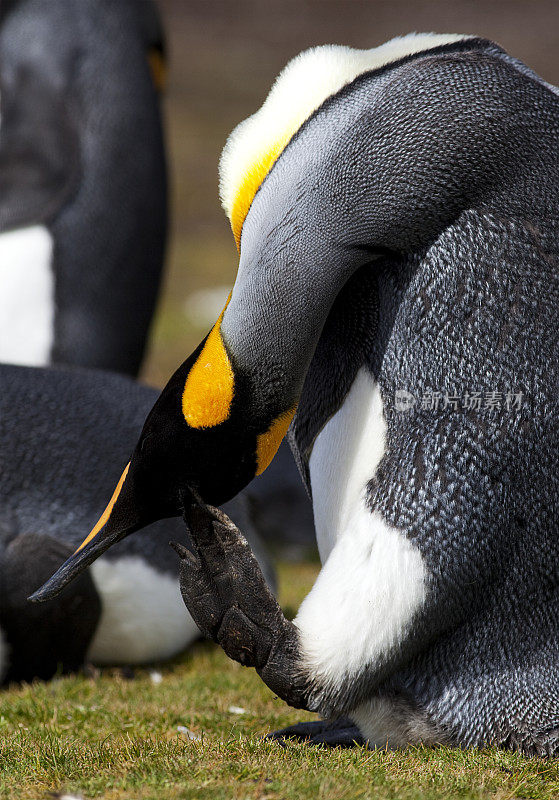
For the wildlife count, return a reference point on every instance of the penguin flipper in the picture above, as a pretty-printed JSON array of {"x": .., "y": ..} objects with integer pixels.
[
  {"x": 39, "y": 151},
  {"x": 338, "y": 733},
  {"x": 225, "y": 592}
]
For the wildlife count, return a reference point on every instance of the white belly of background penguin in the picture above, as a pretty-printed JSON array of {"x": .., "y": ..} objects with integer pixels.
[
  {"x": 27, "y": 296},
  {"x": 142, "y": 616},
  {"x": 396, "y": 214}
]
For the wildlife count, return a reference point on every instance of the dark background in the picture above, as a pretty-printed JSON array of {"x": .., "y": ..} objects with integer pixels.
[{"x": 223, "y": 58}]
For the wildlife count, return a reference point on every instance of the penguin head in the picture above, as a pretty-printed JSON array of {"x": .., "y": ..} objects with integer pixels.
[
  {"x": 193, "y": 439},
  {"x": 140, "y": 19}
]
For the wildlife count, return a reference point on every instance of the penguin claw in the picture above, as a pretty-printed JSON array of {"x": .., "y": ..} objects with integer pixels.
[
  {"x": 182, "y": 551},
  {"x": 224, "y": 590}
]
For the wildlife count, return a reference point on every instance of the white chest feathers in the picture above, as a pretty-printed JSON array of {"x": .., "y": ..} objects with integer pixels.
[
  {"x": 143, "y": 618},
  {"x": 344, "y": 458},
  {"x": 26, "y": 296},
  {"x": 373, "y": 579}
]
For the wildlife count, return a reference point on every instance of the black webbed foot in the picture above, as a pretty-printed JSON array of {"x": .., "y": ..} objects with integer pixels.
[
  {"x": 224, "y": 590},
  {"x": 338, "y": 733}
]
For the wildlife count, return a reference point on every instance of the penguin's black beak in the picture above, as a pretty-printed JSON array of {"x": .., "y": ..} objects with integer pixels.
[{"x": 120, "y": 518}]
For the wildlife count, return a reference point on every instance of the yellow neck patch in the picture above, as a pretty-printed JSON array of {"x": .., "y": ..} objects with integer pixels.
[
  {"x": 251, "y": 183},
  {"x": 102, "y": 521},
  {"x": 268, "y": 443},
  {"x": 300, "y": 89},
  {"x": 208, "y": 390}
]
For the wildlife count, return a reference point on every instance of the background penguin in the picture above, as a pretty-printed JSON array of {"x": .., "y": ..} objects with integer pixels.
[
  {"x": 83, "y": 202},
  {"x": 63, "y": 437},
  {"x": 82, "y": 181},
  {"x": 396, "y": 215}
]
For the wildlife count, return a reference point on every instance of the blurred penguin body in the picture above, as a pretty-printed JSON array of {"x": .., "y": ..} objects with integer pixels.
[
  {"x": 64, "y": 437},
  {"x": 82, "y": 181}
]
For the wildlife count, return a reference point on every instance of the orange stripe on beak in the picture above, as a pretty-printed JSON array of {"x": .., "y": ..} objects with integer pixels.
[{"x": 107, "y": 512}]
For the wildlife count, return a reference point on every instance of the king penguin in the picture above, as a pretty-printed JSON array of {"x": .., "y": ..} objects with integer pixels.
[
  {"x": 63, "y": 435},
  {"x": 82, "y": 181},
  {"x": 82, "y": 229},
  {"x": 83, "y": 211},
  {"x": 397, "y": 307}
]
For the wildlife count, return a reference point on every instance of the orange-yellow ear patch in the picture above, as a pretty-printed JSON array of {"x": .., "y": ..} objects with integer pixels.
[
  {"x": 268, "y": 443},
  {"x": 300, "y": 89},
  {"x": 102, "y": 521},
  {"x": 208, "y": 390},
  {"x": 157, "y": 68},
  {"x": 251, "y": 183}
]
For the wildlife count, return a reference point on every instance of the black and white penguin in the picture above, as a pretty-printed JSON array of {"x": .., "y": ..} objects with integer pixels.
[
  {"x": 63, "y": 436},
  {"x": 82, "y": 181},
  {"x": 83, "y": 200},
  {"x": 397, "y": 304}
]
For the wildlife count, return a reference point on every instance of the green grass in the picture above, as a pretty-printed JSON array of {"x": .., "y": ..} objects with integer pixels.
[{"x": 115, "y": 737}]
